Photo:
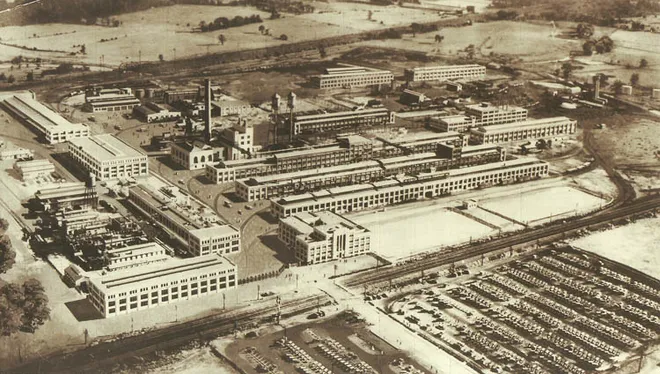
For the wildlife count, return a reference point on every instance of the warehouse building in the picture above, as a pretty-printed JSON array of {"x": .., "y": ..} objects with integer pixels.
[
  {"x": 323, "y": 236},
  {"x": 108, "y": 157},
  {"x": 444, "y": 73},
  {"x": 65, "y": 196},
  {"x": 34, "y": 169},
  {"x": 347, "y": 150},
  {"x": 193, "y": 224},
  {"x": 129, "y": 290},
  {"x": 316, "y": 123},
  {"x": 151, "y": 113},
  {"x": 532, "y": 129},
  {"x": 134, "y": 255},
  {"x": 401, "y": 189},
  {"x": 110, "y": 100},
  {"x": 350, "y": 76},
  {"x": 53, "y": 127}
]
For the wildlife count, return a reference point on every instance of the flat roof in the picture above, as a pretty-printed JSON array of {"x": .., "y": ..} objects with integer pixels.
[
  {"x": 41, "y": 115},
  {"x": 158, "y": 272},
  {"x": 420, "y": 113},
  {"x": 337, "y": 170},
  {"x": 446, "y": 67},
  {"x": 521, "y": 125},
  {"x": 488, "y": 107},
  {"x": 306, "y": 223},
  {"x": 106, "y": 147},
  {"x": 456, "y": 119},
  {"x": 334, "y": 115},
  {"x": 134, "y": 249}
]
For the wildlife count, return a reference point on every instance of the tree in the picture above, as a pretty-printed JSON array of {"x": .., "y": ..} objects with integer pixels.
[
  {"x": 83, "y": 49},
  {"x": 588, "y": 47},
  {"x": 35, "y": 307},
  {"x": 10, "y": 316},
  {"x": 439, "y": 38},
  {"x": 643, "y": 63},
  {"x": 3, "y": 77},
  {"x": 322, "y": 52},
  {"x": 4, "y": 224},
  {"x": 11, "y": 79},
  {"x": 161, "y": 58},
  {"x": 566, "y": 69},
  {"x": 222, "y": 39},
  {"x": 634, "y": 79},
  {"x": 585, "y": 30},
  {"x": 470, "y": 50},
  {"x": 284, "y": 37},
  {"x": 30, "y": 76},
  {"x": 262, "y": 28},
  {"x": 7, "y": 254},
  {"x": 616, "y": 86},
  {"x": 369, "y": 15},
  {"x": 416, "y": 27}
]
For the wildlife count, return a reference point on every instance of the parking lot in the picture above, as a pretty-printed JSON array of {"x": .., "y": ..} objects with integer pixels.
[{"x": 557, "y": 311}]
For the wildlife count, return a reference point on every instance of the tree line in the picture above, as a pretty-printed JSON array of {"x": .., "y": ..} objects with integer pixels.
[{"x": 221, "y": 23}]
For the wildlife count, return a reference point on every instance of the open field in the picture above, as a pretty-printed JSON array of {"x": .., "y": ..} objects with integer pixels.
[
  {"x": 140, "y": 32},
  {"x": 550, "y": 312},
  {"x": 636, "y": 245}
]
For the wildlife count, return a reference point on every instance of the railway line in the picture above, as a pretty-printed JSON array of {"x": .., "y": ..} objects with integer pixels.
[{"x": 104, "y": 356}]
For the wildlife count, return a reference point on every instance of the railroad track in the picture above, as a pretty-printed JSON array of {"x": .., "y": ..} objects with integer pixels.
[{"x": 106, "y": 355}]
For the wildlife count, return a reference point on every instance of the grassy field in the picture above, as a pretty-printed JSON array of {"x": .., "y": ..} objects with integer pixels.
[{"x": 164, "y": 30}]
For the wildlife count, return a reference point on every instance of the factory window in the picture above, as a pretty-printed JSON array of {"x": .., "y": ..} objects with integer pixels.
[
  {"x": 193, "y": 292},
  {"x": 122, "y": 308},
  {"x": 184, "y": 294},
  {"x": 144, "y": 303},
  {"x": 134, "y": 305},
  {"x": 110, "y": 311}
]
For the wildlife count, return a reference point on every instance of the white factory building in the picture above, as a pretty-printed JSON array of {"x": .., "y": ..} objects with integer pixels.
[
  {"x": 320, "y": 122},
  {"x": 352, "y": 76},
  {"x": 52, "y": 126},
  {"x": 444, "y": 73},
  {"x": 323, "y": 236},
  {"x": 402, "y": 189},
  {"x": 108, "y": 157},
  {"x": 482, "y": 114},
  {"x": 195, "y": 155},
  {"x": 531, "y": 129},
  {"x": 193, "y": 224},
  {"x": 133, "y": 289},
  {"x": 110, "y": 100}
]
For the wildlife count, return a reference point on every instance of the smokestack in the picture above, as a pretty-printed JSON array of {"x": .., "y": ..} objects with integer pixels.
[
  {"x": 207, "y": 110},
  {"x": 596, "y": 87},
  {"x": 291, "y": 105},
  {"x": 276, "y": 100}
]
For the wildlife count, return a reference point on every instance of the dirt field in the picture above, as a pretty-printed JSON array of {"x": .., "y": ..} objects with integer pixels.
[{"x": 141, "y": 32}]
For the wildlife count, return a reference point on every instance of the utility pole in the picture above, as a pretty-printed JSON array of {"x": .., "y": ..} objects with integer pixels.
[
  {"x": 258, "y": 291},
  {"x": 86, "y": 333},
  {"x": 224, "y": 297}
]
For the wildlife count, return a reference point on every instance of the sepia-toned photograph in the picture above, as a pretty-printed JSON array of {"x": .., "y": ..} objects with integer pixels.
[{"x": 330, "y": 186}]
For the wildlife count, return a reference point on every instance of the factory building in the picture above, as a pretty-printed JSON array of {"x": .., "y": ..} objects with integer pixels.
[
  {"x": 323, "y": 236},
  {"x": 191, "y": 223},
  {"x": 53, "y": 127},
  {"x": 108, "y": 157},
  {"x": 267, "y": 187},
  {"x": 172, "y": 96},
  {"x": 532, "y": 129},
  {"x": 110, "y": 100},
  {"x": 239, "y": 140},
  {"x": 129, "y": 290},
  {"x": 483, "y": 114},
  {"x": 34, "y": 169},
  {"x": 410, "y": 97},
  {"x": 151, "y": 112},
  {"x": 194, "y": 155},
  {"x": 228, "y": 106},
  {"x": 352, "y": 76},
  {"x": 134, "y": 255},
  {"x": 347, "y": 150},
  {"x": 66, "y": 196},
  {"x": 444, "y": 73},
  {"x": 398, "y": 190},
  {"x": 419, "y": 143},
  {"x": 316, "y": 123},
  {"x": 9, "y": 151}
]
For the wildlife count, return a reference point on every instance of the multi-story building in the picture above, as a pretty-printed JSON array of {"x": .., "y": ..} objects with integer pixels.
[
  {"x": 347, "y": 150},
  {"x": 472, "y": 155},
  {"x": 455, "y": 123},
  {"x": 323, "y": 236},
  {"x": 108, "y": 157},
  {"x": 133, "y": 289},
  {"x": 402, "y": 189},
  {"x": 195, "y": 155},
  {"x": 444, "y": 73},
  {"x": 171, "y": 96},
  {"x": 352, "y": 76},
  {"x": 410, "y": 97},
  {"x": 417, "y": 143},
  {"x": 110, "y": 100},
  {"x": 134, "y": 255},
  {"x": 189, "y": 221},
  {"x": 53, "y": 127},
  {"x": 228, "y": 106},
  {"x": 537, "y": 128},
  {"x": 476, "y": 115},
  {"x": 317, "y": 123},
  {"x": 239, "y": 140}
]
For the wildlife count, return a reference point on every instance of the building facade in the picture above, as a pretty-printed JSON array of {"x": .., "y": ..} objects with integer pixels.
[
  {"x": 410, "y": 97},
  {"x": 532, "y": 129},
  {"x": 129, "y": 290},
  {"x": 398, "y": 190},
  {"x": 352, "y": 76},
  {"x": 239, "y": 139},
  {"x": 151, "y": 112},
  {"x": 476, "y": 115},
  {"x": 323, "y": 236},
  {"x": 194, "y": 155},
  {"x": 444, "y": 73},
  {"x": 110, "y": 100},
  {"x": 108, "y": 157},
  {"x": 317, "y": 123}
]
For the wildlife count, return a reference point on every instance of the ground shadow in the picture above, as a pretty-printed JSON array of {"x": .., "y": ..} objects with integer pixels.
[
  {"x": 282, "y": 253},
  {"x": 266, "y": 216},
  {"x": 232, "y": 196},
  {"x": 167, "y": 161},
  {"x": 203, "y": 179},
  {"x": 83, "y": 310},
  {"x": 71, "y": 166}
]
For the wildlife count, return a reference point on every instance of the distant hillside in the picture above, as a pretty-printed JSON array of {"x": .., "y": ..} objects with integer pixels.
[
  {"x": 70, "y": 11},
  {"x": 602, "y": 12}
]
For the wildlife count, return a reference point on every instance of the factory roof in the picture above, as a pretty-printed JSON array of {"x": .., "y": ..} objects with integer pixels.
[
  {"x": 156, "y": 273},
  {"x": 61, "y": 191},
  {"x": 106, "y": 147},
  {"x": 40, "y": 115},
  {"x": 506, "y": 127},
  {"x": 487, "y": 107},
  {"x": 457, "y": 119},
  {"x": 335, "y": 115},
  {"x": 445, "y": 67},
  {"x": 306, "y": 223}
]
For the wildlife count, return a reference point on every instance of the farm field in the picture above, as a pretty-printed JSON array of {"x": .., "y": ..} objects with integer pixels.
[
  {"x": 636, "y": 245},
  {"x": 140, "y": 34}
]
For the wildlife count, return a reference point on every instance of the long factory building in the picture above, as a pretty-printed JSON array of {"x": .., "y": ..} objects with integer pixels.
[
  {"x": 266, "y": 187},
  {"x": 334, "y": 121},
  {"x": 444, "y": 73},
  {"x": 128, "y": 290},
  {"x": 52, "y": 126},
  {"x": 184, "y": 219},
  {"x": 476, "y": 115},
  {"x": 108, "y": 157},
  {"x": 399, "y": 190},
  {"x": 347, "y": 150},
  {"x": 352, "y": 76},
  {"x": 531, "y": 129}
]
